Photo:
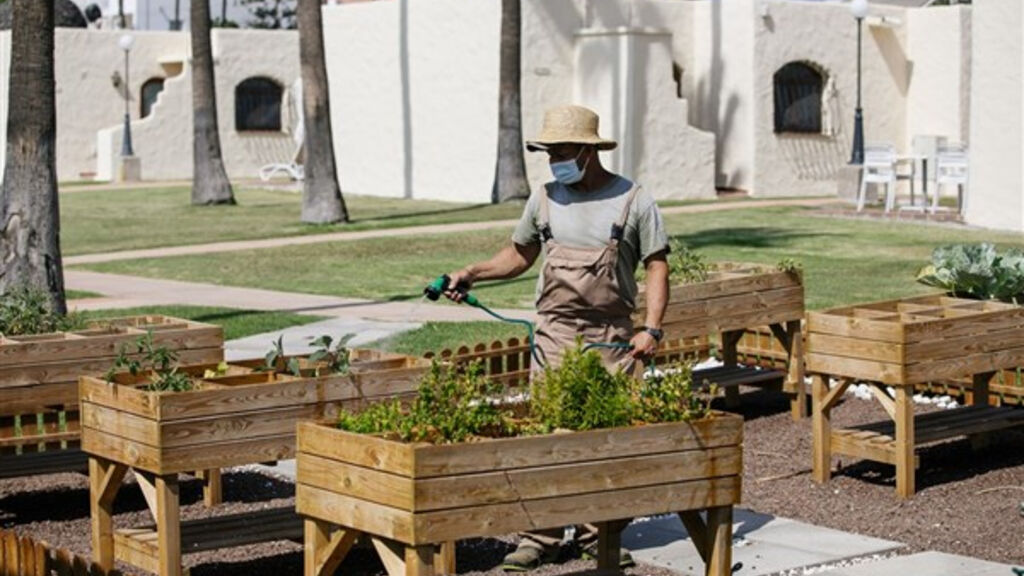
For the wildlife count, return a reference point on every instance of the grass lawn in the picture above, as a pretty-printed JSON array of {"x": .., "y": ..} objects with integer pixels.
[
  {"x": 845, "y": 261},
  {"x": 436, "y": 336},
  {"x": 111, "y": 220},
  {"x": 77, "y": 294},
  {"x": 236, "y": 323}
]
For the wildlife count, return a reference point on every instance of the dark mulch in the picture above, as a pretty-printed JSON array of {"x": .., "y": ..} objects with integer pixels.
[{"x": 967, "y": 502}]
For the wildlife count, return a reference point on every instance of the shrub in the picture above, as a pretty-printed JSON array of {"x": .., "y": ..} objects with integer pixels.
[{"x": 26, "y": 310}]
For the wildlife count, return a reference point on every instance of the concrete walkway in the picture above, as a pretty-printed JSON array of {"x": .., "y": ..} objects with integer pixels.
[
  {"x": 296, "y": 339},
  {"x": 132, "y": 291},
  {"x": 235, "y": 246}
]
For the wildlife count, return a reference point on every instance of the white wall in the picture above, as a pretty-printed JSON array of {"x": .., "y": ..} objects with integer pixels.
[
  {"x": 163, "y": 140},
  {"x": 938, "y": 101},
  {"x": 997, "y": 115},
  {"x": 414, "y": 97},
  {"x": 825, "y": 35}
]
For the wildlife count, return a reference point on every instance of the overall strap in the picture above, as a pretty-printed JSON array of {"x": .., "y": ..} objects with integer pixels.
[
  {"x": 543, "y": 216},
  {"x": 619, "y": 228}
]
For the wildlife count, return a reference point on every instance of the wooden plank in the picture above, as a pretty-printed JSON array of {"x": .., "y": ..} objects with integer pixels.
[
  {"x": 33, "y": 374},
  {"x": 738, "y": 305},
  {"x": 136, "y": 552},
  {"x": 821, "y": 427},
  {"x": 392, "y": 555},
  {"x": 981, "y": 323},
  {"x": 855, "y": 368},
  {"x": 717, "y": 288},
  {"x": 516, "y": 485},
  {"x": 978, "y": 343},
  {"x": 850, "y": 347},
  {"x": 168, "y": 526},
  {"x": 368, "y": 451},
  {"x": 965, "y": 365},
  {"x": 904, "y": 444},
  {"x": 353, "y": 513},
  {"x": 497, "y": 519},
  {"x": 242, "y": 425},
  {"x": 103, "y": 420},
  {"x": 511, "y": 453},
  {"x": 713, "y": 325},
  {"x": 696, "y": 529},
  {"x": 419, "y": 561},
  {"x": 105, "y": 478},
  {"x": 850, "y": 446},
  {"x": 325, "y": 551},
  {"x": 831, "y": 323},
  {"x": 37, "y": 398},
  {"x": 719, "y": 534}
]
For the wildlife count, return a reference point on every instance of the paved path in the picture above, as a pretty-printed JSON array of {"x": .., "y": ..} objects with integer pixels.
[
  {"x": 132, "y": 291},
  {"x": 235, "y": 246}
]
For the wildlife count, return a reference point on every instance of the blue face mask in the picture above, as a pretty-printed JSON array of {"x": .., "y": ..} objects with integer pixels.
[{"x": 567, "y": 172}]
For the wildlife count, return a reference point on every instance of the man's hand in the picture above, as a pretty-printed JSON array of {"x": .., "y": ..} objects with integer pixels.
[
  {"x": 644, "y": 345},
  {"x": 464, "y": 277}
]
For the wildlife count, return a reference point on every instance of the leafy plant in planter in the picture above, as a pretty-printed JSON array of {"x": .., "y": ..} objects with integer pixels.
[
  {"x": 26, "y": 310},
  {"x": 161, "y": 362},
  {"x": 325, "y": 358},
  {"x": 453, "y": 405},
  {"x": 685, "y": 265},
  {"x": 976, "y": 271},
  {"x": 457, "y": 405}
]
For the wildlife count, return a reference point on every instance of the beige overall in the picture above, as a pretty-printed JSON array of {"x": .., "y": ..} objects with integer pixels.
[{"x": 580, "y": 296}]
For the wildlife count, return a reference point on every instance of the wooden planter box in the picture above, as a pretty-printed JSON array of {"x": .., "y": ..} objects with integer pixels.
[
  {"x": 735, "y": 298},
  {"x": 410, "y": 498},
  {"x": 39, "y": 376},
  {"x": 904, "y": 344},
  {"x": 231, "y": 420}
]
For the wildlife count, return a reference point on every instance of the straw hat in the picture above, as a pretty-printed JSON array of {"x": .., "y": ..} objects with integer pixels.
[{"x": 569, "y": 125}]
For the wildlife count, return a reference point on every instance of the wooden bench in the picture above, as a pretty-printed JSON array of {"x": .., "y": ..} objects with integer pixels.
[{"x": 140, "y": 547}]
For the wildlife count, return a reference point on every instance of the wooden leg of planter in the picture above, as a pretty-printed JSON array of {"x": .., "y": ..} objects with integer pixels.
[
  {"x": 168, "y": 525},
  {"x": 419, "y": 561},
  {"x": 798, "y": 405},
  {"x": 980, "y": 397},
  {"x": 444, "y": 558},
  {"x": 719, "y": 561},
  {"x": 324, "y": 551},
  {"x": 822, "y": 465},
  {"x": 609, "y": 544},
  {"x": 104, "y": 480},
  {"x": 730, "y": 356},
  {"x": 697, "y": 530},
  {"x": 212, "y": 490},
  {"x": 904, "y": 419}
]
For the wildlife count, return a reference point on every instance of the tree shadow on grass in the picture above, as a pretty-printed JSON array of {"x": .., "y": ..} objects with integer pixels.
[{"x": 746, "y": 237}]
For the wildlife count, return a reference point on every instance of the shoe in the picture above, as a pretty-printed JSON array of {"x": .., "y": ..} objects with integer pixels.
[
  {"x": 527, "y": 556},
  {"x": 625, "y": 558}
]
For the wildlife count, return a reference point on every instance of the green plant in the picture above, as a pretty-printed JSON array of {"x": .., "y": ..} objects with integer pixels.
[
  {"x": 335, "y": 360},
  {"x": 26, "y": 310},
  {"x": 453, "y": 405},
  {"x": 791, "y": 266},
  {"x": 976, "y": 271},
  {"x": 685, "y": 265},
  {"x": 669, "y": 396},
  {"x": 277, "y": 361},
  {"x": 581, "y": 394},
  {"x": 161, "y": 362}
]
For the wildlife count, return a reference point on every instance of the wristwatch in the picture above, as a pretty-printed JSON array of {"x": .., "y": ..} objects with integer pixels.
[{"x": 657, "y": 334}]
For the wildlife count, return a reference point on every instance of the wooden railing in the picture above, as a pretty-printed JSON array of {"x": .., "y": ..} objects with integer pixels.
[{"x": 23, "y": 556}]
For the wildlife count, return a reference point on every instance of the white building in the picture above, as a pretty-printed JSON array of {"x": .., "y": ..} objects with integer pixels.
[{"x": 161, "y": 14}]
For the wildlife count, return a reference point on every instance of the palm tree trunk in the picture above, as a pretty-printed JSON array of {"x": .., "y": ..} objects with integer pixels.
[
  {"x": 321, "y": 194},
  {"x": 510, "y": 174},
  {"x": 210, "y": 184},
  {"x": 29, "y": 210}
]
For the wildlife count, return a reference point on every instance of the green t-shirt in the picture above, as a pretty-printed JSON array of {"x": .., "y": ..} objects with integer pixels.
[{"x": 585, "y": 219}]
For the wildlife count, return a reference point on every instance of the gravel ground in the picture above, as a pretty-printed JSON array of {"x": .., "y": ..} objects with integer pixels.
[{"x": 967, "y": 502}]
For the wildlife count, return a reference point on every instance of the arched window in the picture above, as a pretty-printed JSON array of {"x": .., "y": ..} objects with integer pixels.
[
  {"x": 258, "y": 105},
  {"x": 150, "y": 91},
  {"x": 798, "y": 89}
]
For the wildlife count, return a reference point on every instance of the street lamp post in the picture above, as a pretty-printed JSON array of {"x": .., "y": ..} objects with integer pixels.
[
  {"x": 126, "y": 141},
  {"x": 859, "y": 9}
]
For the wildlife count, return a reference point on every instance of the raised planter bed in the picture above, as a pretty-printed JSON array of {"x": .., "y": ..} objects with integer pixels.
[
  {"x": 225, "y": 421},
  {"x": 903, "y": 344},
  {"x": 411, "y": 498},
  {"x": 735, "y": 298},
  {"x": 39, "y": 383}
]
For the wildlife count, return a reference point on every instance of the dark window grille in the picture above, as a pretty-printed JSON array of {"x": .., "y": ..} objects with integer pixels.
[
  {"x": 798, "y": 89},
  {"x": 258, "y": 105},
  {"x": 150, "y": 91}
]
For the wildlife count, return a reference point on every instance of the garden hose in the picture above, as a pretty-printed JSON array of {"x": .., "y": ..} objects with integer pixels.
[{"x": 441, "y": 284}]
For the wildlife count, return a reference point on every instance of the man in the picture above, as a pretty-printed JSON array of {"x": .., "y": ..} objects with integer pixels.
[{"x": 595, "y": 228}]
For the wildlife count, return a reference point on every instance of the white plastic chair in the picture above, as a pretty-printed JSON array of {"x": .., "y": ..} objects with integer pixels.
[
  {"x": 294, "y": 168},
  {"x": 879, "y": 168},
  {"x": 952, "y": 168}
]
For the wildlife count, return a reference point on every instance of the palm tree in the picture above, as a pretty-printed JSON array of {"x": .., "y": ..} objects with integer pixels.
[
  {"x": 210, "y": 184},
  {"x": 321, "y": 194},
  {"x": 29, "y": 211},
  {"x": 510, "y": 173}
]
